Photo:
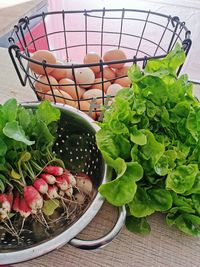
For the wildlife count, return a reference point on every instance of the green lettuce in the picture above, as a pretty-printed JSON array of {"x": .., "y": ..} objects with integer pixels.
[{"x": 150, "y": 136}]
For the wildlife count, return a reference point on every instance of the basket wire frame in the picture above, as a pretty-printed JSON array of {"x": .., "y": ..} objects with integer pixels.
[{"x": 170, "y": 28}]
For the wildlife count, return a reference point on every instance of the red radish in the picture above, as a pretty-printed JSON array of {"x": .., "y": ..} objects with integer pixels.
[
  {"x": 70, "y": 178},
  {"x": 48, "y": 178},
  {"x": 52, "y": 192},
  {"x": 61, "y": 193},
  {"x": 16, "y": 202},
  {"x": 41, "y": 185},
  {"x": 80, "y": 198},
  {"x": 69, "y": 191},
  {"x": 24, "y": 209},
  {"x": 10, "y": 197},
  {"x": 5, "y": 206},
  {"x": 54, "y": 170},
  {"x": 61, "y": 182},
  {"x": 33, "y": 198},
  {"x": 83, "y": 183}
]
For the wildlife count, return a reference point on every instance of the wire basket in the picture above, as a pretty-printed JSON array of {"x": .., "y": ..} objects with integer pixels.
[{"x": 141, "y": 34}]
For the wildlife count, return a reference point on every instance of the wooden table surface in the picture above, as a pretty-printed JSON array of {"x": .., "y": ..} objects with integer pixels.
[
  {"x": 12, "y": 10},
  {"x": 164, "y": 247}
]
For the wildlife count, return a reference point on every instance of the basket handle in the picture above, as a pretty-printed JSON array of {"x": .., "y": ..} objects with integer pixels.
[{"x": 106, "y": 239}]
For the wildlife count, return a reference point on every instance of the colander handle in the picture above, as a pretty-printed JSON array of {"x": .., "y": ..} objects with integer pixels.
[{"x": 102, "y": 241}]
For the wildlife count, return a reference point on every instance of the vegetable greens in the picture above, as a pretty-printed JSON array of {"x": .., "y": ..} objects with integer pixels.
[
  {"x": 27, "y": 137},
  {"x": 150, "y": 136}
]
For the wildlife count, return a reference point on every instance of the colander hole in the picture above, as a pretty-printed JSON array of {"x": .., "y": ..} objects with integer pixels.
[
  {"x": 89, "y": 165},
  {"x": 77, "y": 158},
  {"x": 5, "y": 242},
  {"x": 9, "y": 245},
  {"x": 67, "y": 136},
  {"x": 78, "y": 143},
  {"x": 95, "y": 167},
  {"x": 61, "y": 150},
  {"x": 13, "y": 240},
  {"x": 85, "y": 163},
  {"x": 61, "y": 129},
  {"x": 2, "y": 238},
  {"x": 71, "y": 160},
  {"x": 66, "y": 148},
  {"x": 70, "y": 153},
  {"x": 97, "y": 159},
  {"x": 82, "y": 157},
  {"x": 62, "y": 141},
  {"x": 92, "y": 162},
  {"x": 82, "y": 170},
  {"x": 90, "y": 151},
  {"x": 85, "y": 149},
  {"x": 59, "y": 135},
  {"x": 57, "y": 144},
  {"x": 80, "y": 137},
  {"x": 76, "y": 149},
  {"x": 91, "y": 172},
  {"x": 81, "y": 149}
]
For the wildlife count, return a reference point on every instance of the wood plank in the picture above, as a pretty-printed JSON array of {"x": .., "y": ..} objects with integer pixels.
[{"x": 12, "y": 11}]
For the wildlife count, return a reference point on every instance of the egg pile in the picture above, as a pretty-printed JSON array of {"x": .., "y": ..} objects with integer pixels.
[{"x": 84, "y": 84}]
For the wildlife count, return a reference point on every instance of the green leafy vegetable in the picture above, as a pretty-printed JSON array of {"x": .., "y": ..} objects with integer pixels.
[
  {"x": 50, "y": 206},
  {"x": 137, "y": 225},
  {"x": 150, "y": 136}
]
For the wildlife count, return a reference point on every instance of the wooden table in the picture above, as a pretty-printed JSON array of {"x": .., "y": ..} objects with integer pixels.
[
  {"x": 12, "y": 10},
  {"x": 164, "y": 247}
]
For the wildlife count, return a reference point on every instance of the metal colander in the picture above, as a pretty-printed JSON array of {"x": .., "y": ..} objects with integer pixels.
[{"x": 76, "y": 146}]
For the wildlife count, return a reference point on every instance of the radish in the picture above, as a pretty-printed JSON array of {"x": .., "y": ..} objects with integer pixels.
[
  {"x": 61, "y": 182},
  {"x": 24, "y": 209},
  {"x": 83, "y": 183},
  {"x": 70, "y": 178},
  {"x": 52, "y": 192},
  {"x": 41, "y": 185},
  {"x": 10, "y": 197},
  {"x": 61, "y": 193},
  {"x": 69, "y": 191},
  {"x": 54, "y": 170},
  {"x": 80, "y": 198},
  {"x": 16, "y": 202},
  {"x": 5, "y": 206},
  {"x": 33, "y": 198},
  {"x": 48, "y": 178}
]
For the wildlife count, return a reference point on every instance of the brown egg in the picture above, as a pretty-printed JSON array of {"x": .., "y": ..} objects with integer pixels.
[
  {"x": 69, "y": 71},
  {"x": 60, "y": 97},
  {"x": 98, "y": 84},
  {"x": 108, "y": 74},
  {"x": 85, "y": 107},
  {"x": 84, "y": 77},
  {"x": 40, "y": 56},
  {"x": 92, "y": 57},
  {"x": 93, "y": 93},
  {"x": 69, "y": 87},
  {"x": 113, "y": 89},
  {"x": 42, "y": 84},
  {"x": 115, "y": 54},
  {"x": 122, "y": 71},
  {"x": 59, "y": 73},
  {"x": 124, "y": 82}
]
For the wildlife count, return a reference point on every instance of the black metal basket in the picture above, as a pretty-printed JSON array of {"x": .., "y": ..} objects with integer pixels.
[{"x": 141, "y": 34}]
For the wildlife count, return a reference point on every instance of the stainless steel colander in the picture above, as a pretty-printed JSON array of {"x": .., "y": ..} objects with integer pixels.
[{"x": 76, "y": 146}]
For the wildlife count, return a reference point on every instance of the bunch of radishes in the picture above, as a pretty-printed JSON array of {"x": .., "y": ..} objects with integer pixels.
[{"x": 53, "y": 183}]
